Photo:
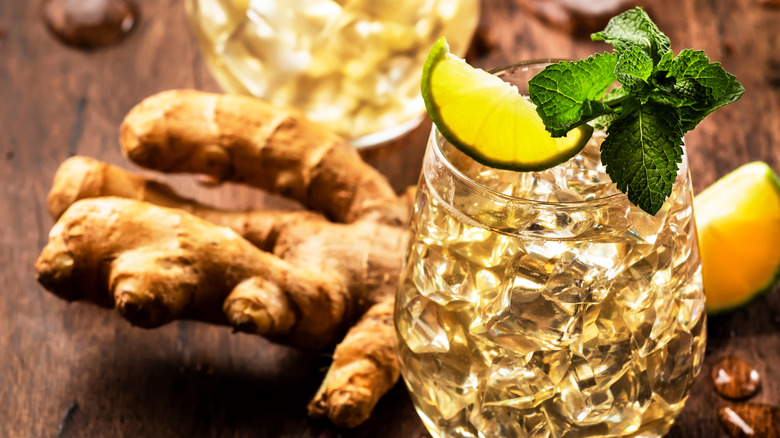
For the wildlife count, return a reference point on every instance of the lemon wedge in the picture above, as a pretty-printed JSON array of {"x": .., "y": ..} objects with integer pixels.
[{"x": 738, "y": 223}]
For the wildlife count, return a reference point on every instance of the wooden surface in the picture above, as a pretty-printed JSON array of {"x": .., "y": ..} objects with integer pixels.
[{"x": 73, "y": 370}]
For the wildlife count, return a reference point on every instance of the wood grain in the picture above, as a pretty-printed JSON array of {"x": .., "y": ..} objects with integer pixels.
[{"x": 72, "y": 370}]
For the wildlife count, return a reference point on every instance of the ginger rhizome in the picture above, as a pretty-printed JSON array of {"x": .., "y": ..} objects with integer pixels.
[
  {"x": 303, "y": 278},
  {"x": 241, "y": 139}
]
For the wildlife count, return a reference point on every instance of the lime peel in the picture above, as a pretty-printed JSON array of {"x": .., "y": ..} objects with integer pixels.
[{"x": 487, "y": 119}]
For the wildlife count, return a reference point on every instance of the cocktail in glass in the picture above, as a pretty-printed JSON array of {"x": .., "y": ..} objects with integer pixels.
[
  {"x": 352, "y": 65},
  {"x": 544, "y": 304}
]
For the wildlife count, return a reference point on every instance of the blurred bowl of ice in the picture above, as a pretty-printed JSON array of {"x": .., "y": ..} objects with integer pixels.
[{"x": 353, "y": 66}]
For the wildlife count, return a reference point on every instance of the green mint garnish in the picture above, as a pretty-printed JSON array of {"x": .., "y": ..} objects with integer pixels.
[
  {"x": 635, "y": 29},
  {"x": 567, "y": 94},
  {"x": 660, "y": 97}
]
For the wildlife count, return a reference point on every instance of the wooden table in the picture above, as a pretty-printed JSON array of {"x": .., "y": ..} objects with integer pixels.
[{"x": 74, "y": 370}]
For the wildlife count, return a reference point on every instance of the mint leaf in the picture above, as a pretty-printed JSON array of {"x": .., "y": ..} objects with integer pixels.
[
  {"x": 660, "y": 98},
  {"x": 691, "y": 115},
  {"x": 603, "y": 122},
  {"x": 700, "y": 86},
  {"x": 694, "y": 64},
  {"x": 665, "y": 62},
  {"x": 642, "y": 151},
  {"x": 566, "y": 94},
  {"x": 615, "y": 96},
  {"x": 634, "y": 28},
  {"x": 633, "y": 69}
]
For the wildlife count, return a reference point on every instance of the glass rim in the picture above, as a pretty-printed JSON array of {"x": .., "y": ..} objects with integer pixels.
[
  {"x": 509, "y": 199},
  {"x": 594, "y": 203}
]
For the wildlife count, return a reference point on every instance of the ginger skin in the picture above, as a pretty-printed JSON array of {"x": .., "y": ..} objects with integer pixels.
[
  {"x": 245, "y": 140},
  {"x": 168, "y": 264},
  {"x": 303, "y": 280},
  {"x": 156, "y": 264}
]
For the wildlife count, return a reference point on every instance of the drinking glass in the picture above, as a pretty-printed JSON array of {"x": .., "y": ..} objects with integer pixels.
[
  {"x": 352, "y": 65},
  {"x": 544, "y": 304}
]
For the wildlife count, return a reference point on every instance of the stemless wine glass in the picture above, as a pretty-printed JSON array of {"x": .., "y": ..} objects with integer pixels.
[
  {"x": 351, "y": 65},
  {"x": 544, "y": 304}
]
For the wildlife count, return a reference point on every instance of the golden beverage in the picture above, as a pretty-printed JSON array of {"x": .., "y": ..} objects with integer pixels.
[
  {"x": 544, "y": 304},
  {"x": 352, "y": 65}
]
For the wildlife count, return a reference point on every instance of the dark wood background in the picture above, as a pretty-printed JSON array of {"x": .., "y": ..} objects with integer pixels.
[{"x": 73, "y": 370}]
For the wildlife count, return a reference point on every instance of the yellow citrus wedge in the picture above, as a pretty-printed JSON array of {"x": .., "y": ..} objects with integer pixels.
[
  {"x": 488, "y": 119},
  {"x": 738, "y": 222}
]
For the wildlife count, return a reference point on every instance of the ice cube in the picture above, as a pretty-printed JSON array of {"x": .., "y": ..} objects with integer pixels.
[
  {"x": 422, "y": 326},
  {"x": 506, "y": 422},
  {"x": 670, "y": 366},
  {"x": 576, "y": 279},
  {"x": 453, "y": 380},
  {"x": 485, "y": 249},
  {"x": 516, "y": 384},
  {"x": 631, "y": 396},
  {"x": 521, "y": 317},
  {"x": 564, "y": 195},
  {"x": 261, "y": 47},
  {"x": 606, "y": 342},
  {"x": 691, "y": 302},
  {"x": 644, "y": 227},
  {"x": 457, "y": 426},
  {"x": 441, "y": 277},
  {"x": 541, "y": 186},
  {"x": 525, "y": 321},
  {"x": 582, "y": 401}
]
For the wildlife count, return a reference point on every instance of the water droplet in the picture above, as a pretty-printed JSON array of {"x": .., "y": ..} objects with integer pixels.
[
  {"x": 751, "y": 420},
  {"x": 89, "y": 24},
  {"x": 735, "y": 378}
]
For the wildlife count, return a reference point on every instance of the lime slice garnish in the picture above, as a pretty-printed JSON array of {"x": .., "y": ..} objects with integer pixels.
[
  {"x": 738, "y": 223},
  {"x": 488, "y": 119}
]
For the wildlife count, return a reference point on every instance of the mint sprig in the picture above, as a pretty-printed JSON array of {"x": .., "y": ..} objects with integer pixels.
[{"x": 660, "y": 97}]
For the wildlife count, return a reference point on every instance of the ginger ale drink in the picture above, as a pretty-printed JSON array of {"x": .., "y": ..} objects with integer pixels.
[
  {"x": 352, "y": 65},
  {"x": 544, "y": 304}
]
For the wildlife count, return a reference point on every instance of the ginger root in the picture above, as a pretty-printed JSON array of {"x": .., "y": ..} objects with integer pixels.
[
  {"x": 244, "y": 140},
  {"x": 302, "y": 278}
]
